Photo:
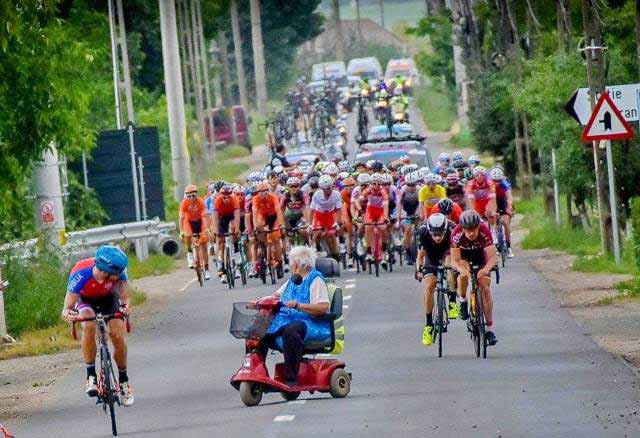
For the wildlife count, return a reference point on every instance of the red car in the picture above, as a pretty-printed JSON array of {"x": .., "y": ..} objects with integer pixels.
[{"x": 224, "y": 131}]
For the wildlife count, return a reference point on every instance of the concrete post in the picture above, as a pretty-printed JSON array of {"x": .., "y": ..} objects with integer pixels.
[
  {"x": 258, "y": 56},
  {"x": 3, "y": 322},
  {"x": 175, "y": 97},
  {"x": 237, "y": 51},
  {"x": 49, "y": 209}
]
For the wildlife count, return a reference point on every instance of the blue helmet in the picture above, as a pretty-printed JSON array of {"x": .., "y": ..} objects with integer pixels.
[{"x": 111, "y": 259}]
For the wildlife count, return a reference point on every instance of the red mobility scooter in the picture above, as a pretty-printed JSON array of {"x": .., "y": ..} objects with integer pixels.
[{"x": 321, "y": 375}]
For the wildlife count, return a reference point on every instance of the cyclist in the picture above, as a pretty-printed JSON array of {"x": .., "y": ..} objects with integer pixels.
[
  {"x": 444, "y": 161},
  {"x": 274, "y": 183},
  {"x": 455, "y": 188},
  {"x": 408, "y": 204},
  {"x": 225, "y": 219},
  {"x": 99, "y": 285},
  {"x": 504, "y": 204},
  {"x": 294, "y": 207},
  {"x": 449, "y": 208},
  {"x": 471, "y": 244},
  {"x": 435, "y": 245},
  {"x": 481, "y": 194},
  {"x": 474, "y": 160},
  {"x": 268, "y": 218},
  {"x": 193, "y": 220},
  {"x": 376, "y": 211},
  {"x": 430, "y": 194},
  {"x": 326, "y": 208},
  {"x": 357, "y": 207},
  {"x": 347, "y": 220}
]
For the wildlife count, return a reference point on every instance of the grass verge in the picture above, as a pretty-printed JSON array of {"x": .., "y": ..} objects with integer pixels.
[
  {"x": 437, "y": 108},
  {"x": 585, "y": 244},
  {"x": 156, "y": 264},
  {"x": 42, "y": 341}
]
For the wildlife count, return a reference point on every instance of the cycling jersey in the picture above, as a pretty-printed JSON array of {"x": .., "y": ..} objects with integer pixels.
[
  {"x": 430, "y": 196},
  {"x": 455, "y": 213},
  {"x": 442, "y": 171},
  {"x": 346, "y": 194},
  {"x": 292, "y": 203},
  {"x": 226, "y": 206},
  {"x": 482, "y": 192},
  {"x": 265, "y": 206},
  {"x": 393, "y": 196},
  {"x": 408, "y": 201},
  {"x": 377, "y": 199},
  {"x": 502, "y": 196},
  {"x": 435, "y": 252},
  {"x": 81, "y": 281},
  {"x": 472, "y": 251},
  {"x": 356, "y": 196},
  {"x": 326, "y": 204},
  {"x": 193, "y": 211}
]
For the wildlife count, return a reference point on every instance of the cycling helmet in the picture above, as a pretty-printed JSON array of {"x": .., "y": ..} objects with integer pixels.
[
  {"x": 293, "y": 181},
  {"x": 111, "y": 259},
  {"x": 438, "y": 178},
  {"x": 377, "y": 178},
  {"x": 254, "y": 176},
  {"x": 405, "y": 159},
  {"x": 449, "y": 170},
  {"x": 364, "y": 178},
  {"x": 344, "y": 165},
  {"x": 460, "y": 164},
  {"x": 411, "y": 178},
  {"x": 470, "y": 219},
  {"x": 321, "y": 165},
  {"x": 445, "y": 206},
  {"x": 278, "y": 170},
  {"x": 369, "y": 164},
  {"x": 226, "y": 190},
  {"x": 468, "y": 173},
  {"x": 479, "y": 170},
  {"x": 444, "y": 157},
  {"x": 377, "y": 166},
  {"x": 313, "y": 182},
  {"x": 452, "y": 179},
  {"x": 238, "y": 189},
  {"x": 496, "y": 174},
  {"x": 190, "y": 189},
  {"x": 331, "y": 170},
  {"x": 325, "y": 182},
  {"x": 437, "y": 223},
  {"x": 262, "y": 187},
  {"x": 386, "y": 178},
  {"x": 424, "y": 171},
  {"x": 218, "y": 185},
  {"x": 457, "y": 155},
  {"x": 343, "y": 175},
  {"x": 349, "y": 182},
  {"x": 359, "y": 164},
  {"x": 397, "y": 91},
  {"x": 474, "y": 160},
  {"x": 431, "y": 178}
]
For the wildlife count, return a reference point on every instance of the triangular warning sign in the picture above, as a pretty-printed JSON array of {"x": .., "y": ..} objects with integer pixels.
[{"x": 606, "y": 122}]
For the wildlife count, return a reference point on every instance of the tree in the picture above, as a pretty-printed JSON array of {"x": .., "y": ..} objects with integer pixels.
[
  {"x": 258, "y": 56},
  {"x": 338, "y": 27},
  {"x": 237, "y": 50}
]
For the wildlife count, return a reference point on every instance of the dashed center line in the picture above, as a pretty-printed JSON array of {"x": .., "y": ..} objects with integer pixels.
[
  {"x": 297, "y": 402},
  {"x": 281, "y": 418},
  {"x": 350, "y": 286},
  {"x": 344, "y": 306},
  {"x": 347, "y": 297},
  {"x": 351, "y": 280},
  {"x": 189, "y": 283}
]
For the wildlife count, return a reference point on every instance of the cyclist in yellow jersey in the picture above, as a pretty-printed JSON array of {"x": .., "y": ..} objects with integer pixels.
[{"x": 430, "y": 194}]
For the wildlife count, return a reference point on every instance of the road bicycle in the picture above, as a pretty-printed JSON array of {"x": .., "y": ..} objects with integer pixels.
[
  {"x": 108, "y": 386},
  {"x": 441, "y": 305},
  {"x": 198, "y": 258},
  {"x": 229, "y": 261},
  {"x": 501, "y": 244},
  {"x": 266, "y": 265},
  {"x": 477, "y": 323},
  {"x": 359, "y": 252},
  {"x": 377, "y": 254}
]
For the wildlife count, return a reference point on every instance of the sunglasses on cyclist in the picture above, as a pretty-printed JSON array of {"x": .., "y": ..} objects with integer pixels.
[
  {"x": 192, "y": 195},
  {"x": 294, "y": 186}
]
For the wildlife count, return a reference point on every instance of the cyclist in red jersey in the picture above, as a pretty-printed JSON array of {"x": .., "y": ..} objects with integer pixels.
[
  {"x": 481, "y": 194},
  {"x": 377, "y": 210},
  {"x": 472, "y": 244},
  {"x": 504, "y": 204},
  {"x": 449, "y": 208}
]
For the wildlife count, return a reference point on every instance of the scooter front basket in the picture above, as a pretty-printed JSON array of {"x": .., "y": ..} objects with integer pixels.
[{"x": 248, "y": 323}]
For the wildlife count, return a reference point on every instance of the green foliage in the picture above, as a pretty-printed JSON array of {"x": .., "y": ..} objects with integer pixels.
[
  {"x": 436, "y": 61},
  {"x": 156, "y": 264},
  {"x": 436, "y": 106},
  {"x": 82, "y": 209},
  {"x": 635, "y": 226},
  {"x": 35, "y": 294}
]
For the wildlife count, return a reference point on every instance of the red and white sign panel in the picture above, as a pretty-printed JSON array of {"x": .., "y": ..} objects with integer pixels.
[
  {"x": 47, "y": 213},
  {"x": 606, "y": 122}
]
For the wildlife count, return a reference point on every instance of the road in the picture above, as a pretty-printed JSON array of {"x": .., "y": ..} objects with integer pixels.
[{"x": 545, "y": 378}]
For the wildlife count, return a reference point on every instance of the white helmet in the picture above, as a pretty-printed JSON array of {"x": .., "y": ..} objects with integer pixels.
[
  {"x": 478, "y": 170},
  {"x": 331, "y": 169},
  {"x": 496, "y": 174},
  {"x": 457, "y": 155},
  {"x": 278, "y": 170},
  {"x": 423, "y": 171},
  {"x": 444, "y": 157},
  {"x": 254, "y": 177},
  {"x": 364, "y": 178},
  {"x": 474, "y": 160},
  {"x": 325, "y": 181},
  {"x": 377, "y": 178},
  {"x": 431, "y": 178},
  {"x": 412, "y": 178},
  {"x": 438, "y": 178},
  {"x": 343, "y": 175},
  {"x": 386, "y": 178},
  {"x": 437, "y": 223},
  {"x": 292, "y": 180}
]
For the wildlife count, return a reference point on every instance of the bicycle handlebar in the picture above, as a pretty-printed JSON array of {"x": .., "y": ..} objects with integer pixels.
[{"x": 106, "y": 318}]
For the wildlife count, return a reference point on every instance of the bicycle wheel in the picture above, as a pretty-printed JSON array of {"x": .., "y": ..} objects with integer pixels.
[
  {"x": 482, "y": 338},
  {"x": 440, "y": 316},
  {"x": 391, "y": 258},
  {"x": 227, "y": 268},
  {"x": 200, "y": 276},
  {"x": 110, "y": 388},
  {"x": 377, "y": 268}
]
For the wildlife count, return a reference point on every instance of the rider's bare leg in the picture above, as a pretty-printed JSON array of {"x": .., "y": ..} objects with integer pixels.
[
  {"x": 116, "y": 333},
  {"x": 484, "y": 284}
]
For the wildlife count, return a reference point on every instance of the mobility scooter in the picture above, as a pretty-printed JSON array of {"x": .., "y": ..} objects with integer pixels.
[{"x": 321, "y": 375}]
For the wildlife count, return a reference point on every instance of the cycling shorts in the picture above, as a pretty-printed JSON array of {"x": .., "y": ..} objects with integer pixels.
[
  {"x": 195, "y": 227},
  {"x": 481, "y": 207},
  {"x": 324, "y": 220},
  {"x": 105, "y": 305},
  {"x": 477, "y": 258},
  {"x": 223, "y": 224},
  {"x": 502, "y": 204},
  {"x": 432, "y": 261},
  {"x": 292, "y": 220},
  {"x": 374, "y": 214}
]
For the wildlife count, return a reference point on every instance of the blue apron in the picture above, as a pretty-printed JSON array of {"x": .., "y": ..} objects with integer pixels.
[{"x": 317, "y": 330}]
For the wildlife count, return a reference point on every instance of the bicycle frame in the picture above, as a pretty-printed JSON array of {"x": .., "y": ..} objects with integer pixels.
[{"x": 476, "y": 312}]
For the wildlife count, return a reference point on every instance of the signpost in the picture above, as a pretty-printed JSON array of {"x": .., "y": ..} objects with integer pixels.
[
  {"x": 624, "y": 96},
  {"x": 605, "y": 124}
]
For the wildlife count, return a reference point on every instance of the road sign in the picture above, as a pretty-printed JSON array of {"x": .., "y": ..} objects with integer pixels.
[
  {"x": 47, "y": 213},
  {"x": 606, "y": 122},
  {"x": 625, "y": 97}
]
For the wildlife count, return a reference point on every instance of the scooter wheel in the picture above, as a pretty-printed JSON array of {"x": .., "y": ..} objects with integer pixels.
[
  {"x": 290, "y": 396},
  {"x": 340, "y": 383},
  {"x": 250, "y": 393}
]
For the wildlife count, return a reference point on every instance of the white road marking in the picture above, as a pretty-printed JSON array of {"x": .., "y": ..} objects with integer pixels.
[
  {"x": 347, "y": 297},
  {"x": 352, "y": 269},
  {"x": 189, "y": 283},
  {"x": 344, "y": 306},
  {"x": 285, "y": 418},
  {"x": 350, "y": 286},
  {"x": 351, "y": 280}
]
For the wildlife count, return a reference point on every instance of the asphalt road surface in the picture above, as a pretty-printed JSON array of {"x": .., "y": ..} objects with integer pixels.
[{"x": 545, "y": 378}]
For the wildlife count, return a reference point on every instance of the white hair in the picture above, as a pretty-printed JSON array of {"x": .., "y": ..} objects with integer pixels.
[{"x": 304, "y": 256}]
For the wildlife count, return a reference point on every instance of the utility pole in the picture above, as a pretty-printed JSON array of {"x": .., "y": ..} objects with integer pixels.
[
  {"x": 48, "y": 206},
  {"x": 381, "y": 2},
  {"x": 226, "y": 70},
  {"x": 214, "y": 50},
  {"x": 338, "y": 26},
  {"x": 205, "y": 69},
  {"x": 556, "y": 194},
  {"x": 3, "y": 322},
  {"x": 175, "y": 97},
  {"x": 237, "y": 50},
  {"x": 258, "y": 56},
  {"x": 595, "y": 79},
  {"x": 196, "y": 60},
  {"x": 357, "y": 6}
]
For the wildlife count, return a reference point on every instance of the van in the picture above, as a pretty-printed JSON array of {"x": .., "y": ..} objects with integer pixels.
[
  {"x": 334, "y": 71},
  {"x": 368, "y": 69}
]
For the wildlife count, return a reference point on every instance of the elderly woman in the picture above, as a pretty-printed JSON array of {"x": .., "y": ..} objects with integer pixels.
[{"x": 304, "y": 298}]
